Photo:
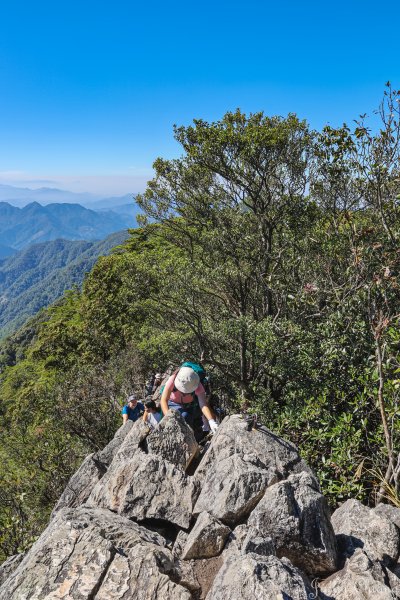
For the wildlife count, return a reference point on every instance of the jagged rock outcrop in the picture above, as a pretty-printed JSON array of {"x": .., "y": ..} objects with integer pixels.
[
  {"x": 296, "y": 516},
  {"x": 247, "y": 539},
  {"x": 360, "y": 579},
  {"x": 238, "y": 468},
  {"x": 9, "y": 566},
  {"x": 146, "y": 487},
  {"x": 92, "y": 469},
  {"x": 357, "y": 526},
  {"x": 206, "y": 539},
  {"x": 93, "y": 553},
  {"x": 173, "y": 440},
  {"x": 253, "y": 576},
  {"x": 390, "y": 512},
  {"x": 80, "y": 486},
  {"x": 247, "y": 521},
  {"x": 141, "y": 483}
]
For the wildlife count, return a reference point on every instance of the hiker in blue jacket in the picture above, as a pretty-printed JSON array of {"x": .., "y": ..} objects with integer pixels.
[{"x": 132, "y": 409}]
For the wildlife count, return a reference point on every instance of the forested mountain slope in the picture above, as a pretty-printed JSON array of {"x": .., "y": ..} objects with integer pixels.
[
  {"x": 38, "y": 275},
  {"x": 34, "y": 223},
  {"x": 272, "y": 252}
]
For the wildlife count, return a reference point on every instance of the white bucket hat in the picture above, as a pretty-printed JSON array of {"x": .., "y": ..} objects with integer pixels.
[{"x": 186, "y": 380}]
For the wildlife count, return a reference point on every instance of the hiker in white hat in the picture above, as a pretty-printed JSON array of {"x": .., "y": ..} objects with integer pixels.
[{"x": 179, "y": 393}]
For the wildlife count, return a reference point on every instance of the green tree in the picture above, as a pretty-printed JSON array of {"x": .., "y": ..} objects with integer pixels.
[{"x": 232, "y": 203}]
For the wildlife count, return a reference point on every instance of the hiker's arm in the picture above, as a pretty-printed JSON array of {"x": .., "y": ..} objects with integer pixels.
[
  {"x": 205, "y": 409},
  {"x": 124, "y": 417},
  {"x": 164, "y": 399}
]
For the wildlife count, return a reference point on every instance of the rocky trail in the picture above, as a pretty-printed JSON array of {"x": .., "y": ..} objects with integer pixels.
[{"x": 150, "y": 517}]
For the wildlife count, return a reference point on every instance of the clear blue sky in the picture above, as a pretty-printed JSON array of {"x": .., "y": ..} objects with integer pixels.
[{"x": 92, "y": 88}]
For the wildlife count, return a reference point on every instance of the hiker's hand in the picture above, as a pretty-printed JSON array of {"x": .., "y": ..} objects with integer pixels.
[{"x": 213, "y": 425}]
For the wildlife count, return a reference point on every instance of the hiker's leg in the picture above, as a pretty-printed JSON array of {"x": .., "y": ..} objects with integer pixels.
[
  {"x": 184, "y": 409},
  {"x": 187, "y": 414}
]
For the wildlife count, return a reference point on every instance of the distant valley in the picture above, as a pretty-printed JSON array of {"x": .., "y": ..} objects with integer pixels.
[
  {"x": 36, "y": 276},
  {"x": 34, "y": 223},
  {"x": 46, "y": 249}
]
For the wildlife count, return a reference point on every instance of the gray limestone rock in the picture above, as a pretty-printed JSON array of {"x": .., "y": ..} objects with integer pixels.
[
  {"x": 390, "y": 512},
  {"x": 246, "y": 539},
  {"x": 235, "y": 542},
  {"x": 393, "y": 579},
  {"x": 206, "y": 539},
  {"x": 357, "y": 526},
  {"x": 252, "y": 576},
  {"x": 360, "y": 579},
  {"x": 141, "y": 576},
  {"x": 80, "y": 486},
  {"x": 185, "y": 573},
  {"x": 179, "y": 543},
  {"x": 9, "y": 566},
  {"x": 296, "y": 516},
  {"x": 232, "y": 488},
  {"x": 239, "y": 466},
  {"x": 95, "y": 551},
  {"x": 173, "y": 440},
  {"x": 104, "y": 457},
  {"x": 86, "y": 554},
  {"x": 256, "y": 543},
  {"x": 145, "y": 486},
  {"x": 134, "y": 439}
]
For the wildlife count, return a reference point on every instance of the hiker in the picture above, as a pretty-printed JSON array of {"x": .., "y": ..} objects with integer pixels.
[
  {"x": 151, "y": 415},
  {"x": 132, "y": 409},
  {"x": 152, "y": 384},
  {"x": 157, "y": 381},
  {"x": 180, "y": 391}
]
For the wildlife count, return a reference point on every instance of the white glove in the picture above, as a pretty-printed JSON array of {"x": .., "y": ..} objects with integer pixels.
[{"x": 213, "y": 425}]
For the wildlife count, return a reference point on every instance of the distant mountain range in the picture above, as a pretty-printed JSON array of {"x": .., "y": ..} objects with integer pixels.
[
  {"x": 38, "y": 275},
  {"x": 34, "y": 223},
  {"x": 22, "y": 196}
]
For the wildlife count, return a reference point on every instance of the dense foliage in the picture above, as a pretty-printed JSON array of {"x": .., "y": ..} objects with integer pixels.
[{"x": 271, "y": 253}]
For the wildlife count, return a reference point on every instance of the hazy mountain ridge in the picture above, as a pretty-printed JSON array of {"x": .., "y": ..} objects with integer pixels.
[
  {"x": 34, "y": 223},
  {"x": 21, "y": 196},
  {"x": 38, "y": 275}
]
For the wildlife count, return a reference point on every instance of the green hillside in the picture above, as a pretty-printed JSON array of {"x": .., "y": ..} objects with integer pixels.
[
  {"x": 271, "y": 251},
  {"x": 38, "y": 275}
]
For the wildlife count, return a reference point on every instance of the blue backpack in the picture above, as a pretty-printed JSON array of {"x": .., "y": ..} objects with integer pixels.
[{"x": 199, "y": 369}]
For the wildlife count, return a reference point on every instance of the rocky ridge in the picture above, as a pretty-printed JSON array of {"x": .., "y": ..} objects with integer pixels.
[{"x": 152, "y": 517}]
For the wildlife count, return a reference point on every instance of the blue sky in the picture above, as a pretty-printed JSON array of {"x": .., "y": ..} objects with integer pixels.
[{"x": 90, "y": 90}]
